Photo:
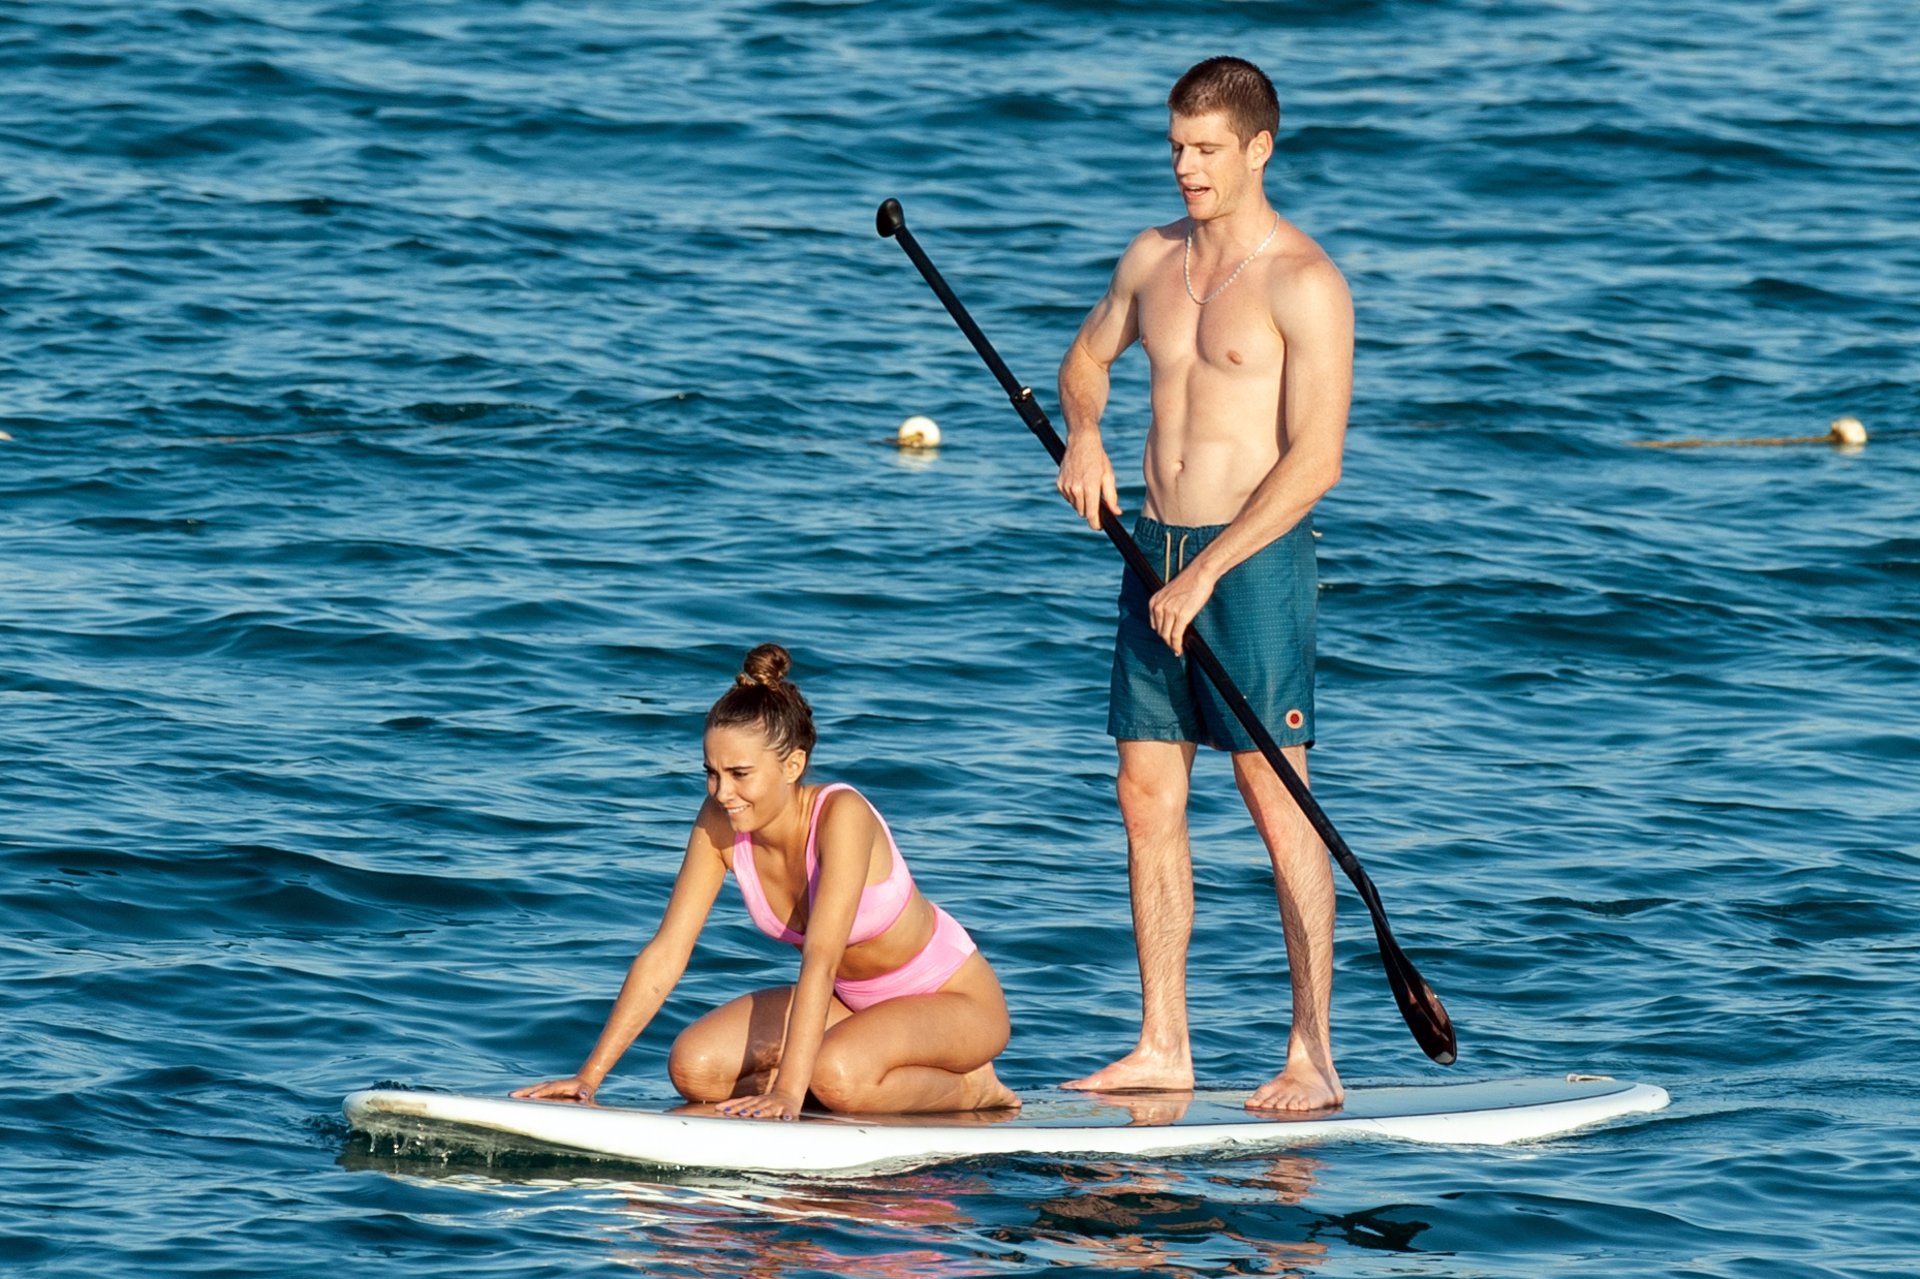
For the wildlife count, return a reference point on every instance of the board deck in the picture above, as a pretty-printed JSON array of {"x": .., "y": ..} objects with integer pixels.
[{"x": 1052, "y": 1123}]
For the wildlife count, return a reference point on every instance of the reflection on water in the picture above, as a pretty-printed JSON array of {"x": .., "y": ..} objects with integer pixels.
[
  {"x": 908, "y": 1226},
  {"x": 1130, "y": 1218},
  {"x": 1230, "y": 1215}
]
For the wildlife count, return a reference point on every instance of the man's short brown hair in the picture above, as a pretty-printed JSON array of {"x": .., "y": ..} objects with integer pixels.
[{"x": 1235, "y": 88}]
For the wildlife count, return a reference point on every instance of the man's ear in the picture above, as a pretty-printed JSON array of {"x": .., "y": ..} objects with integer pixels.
[{"x": 1260, "y": 150}]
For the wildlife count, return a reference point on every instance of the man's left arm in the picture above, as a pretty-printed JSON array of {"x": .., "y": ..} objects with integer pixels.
[{"x": 1314, "y": 313}]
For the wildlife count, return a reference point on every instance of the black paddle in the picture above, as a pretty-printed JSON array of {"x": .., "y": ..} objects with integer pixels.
[{"x": 1418, "y": 1004}]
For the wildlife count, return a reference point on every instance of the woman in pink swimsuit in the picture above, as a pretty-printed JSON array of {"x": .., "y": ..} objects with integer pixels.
[{"x": 895, "y": 1010}]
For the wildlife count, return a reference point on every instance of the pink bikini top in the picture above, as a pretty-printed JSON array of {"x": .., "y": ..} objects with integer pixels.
[{"x": 880, "y": 904}]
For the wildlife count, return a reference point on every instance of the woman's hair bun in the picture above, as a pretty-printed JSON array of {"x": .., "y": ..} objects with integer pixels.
[
  {"x": 761, "y": 695},
  {"x": 767, "y": 665}
]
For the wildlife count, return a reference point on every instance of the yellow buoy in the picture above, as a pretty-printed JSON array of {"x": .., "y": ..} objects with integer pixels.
[
  {"x": 918, "y": 432},
  {"x": 1847, "y": 430}
]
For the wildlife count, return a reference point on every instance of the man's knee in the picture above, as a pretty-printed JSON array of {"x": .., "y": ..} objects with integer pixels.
[{"x": 1152, "y": 789}]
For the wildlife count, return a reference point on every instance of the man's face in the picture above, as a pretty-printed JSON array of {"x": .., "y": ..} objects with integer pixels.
[{"x": 1214, "y": 169}]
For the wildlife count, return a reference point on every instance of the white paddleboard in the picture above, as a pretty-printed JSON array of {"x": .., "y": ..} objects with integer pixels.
[{"x": 1055, "y": 1123}]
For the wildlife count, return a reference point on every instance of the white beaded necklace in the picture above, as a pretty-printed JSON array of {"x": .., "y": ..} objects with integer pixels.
[{"x": 1186, "y": 264}]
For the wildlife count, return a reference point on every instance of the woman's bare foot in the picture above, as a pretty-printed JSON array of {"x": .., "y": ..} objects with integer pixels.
[{"x": 989, "y": 1093}]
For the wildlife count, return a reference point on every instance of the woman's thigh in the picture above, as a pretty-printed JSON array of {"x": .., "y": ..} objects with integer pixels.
[
  {"x": 739, "y": 1040},
  {"x": 960, "y": 1027}
]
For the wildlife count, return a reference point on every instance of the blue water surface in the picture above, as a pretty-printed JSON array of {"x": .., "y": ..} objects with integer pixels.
[{"x": 414, "y": 411}]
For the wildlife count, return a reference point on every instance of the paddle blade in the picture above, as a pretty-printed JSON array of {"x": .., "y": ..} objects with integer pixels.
[{"x": 1422, "y": 1010}]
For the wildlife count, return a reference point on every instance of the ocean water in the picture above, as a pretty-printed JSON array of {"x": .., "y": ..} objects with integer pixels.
[{"x": 414, "y": 411}]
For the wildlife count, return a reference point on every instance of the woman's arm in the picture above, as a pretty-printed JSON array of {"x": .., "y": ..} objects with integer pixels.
[
  {"x": 847, "y": 832},
  {"x": 659, "y": 965}
]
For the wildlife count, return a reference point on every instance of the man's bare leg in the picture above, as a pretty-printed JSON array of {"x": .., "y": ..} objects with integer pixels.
[
  {"x": 1303, "y": 881},
  {"x": 1153, "y": 786}
]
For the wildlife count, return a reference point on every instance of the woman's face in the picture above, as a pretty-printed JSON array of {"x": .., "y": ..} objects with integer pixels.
[{"x": 748, "y": 778}]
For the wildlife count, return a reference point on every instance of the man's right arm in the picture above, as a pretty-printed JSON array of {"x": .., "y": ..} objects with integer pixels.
[{"x": 1086, "y": 475}]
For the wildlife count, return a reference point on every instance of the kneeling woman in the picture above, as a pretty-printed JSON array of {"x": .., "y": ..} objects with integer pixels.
[{"x": 895, "y": 1010}]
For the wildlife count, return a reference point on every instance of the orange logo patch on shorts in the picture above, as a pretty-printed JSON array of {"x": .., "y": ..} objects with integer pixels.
[{"x": 1295, "y": 719}]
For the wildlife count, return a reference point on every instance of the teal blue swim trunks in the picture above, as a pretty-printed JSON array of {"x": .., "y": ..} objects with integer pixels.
[{"x": 1259, "y": 622}]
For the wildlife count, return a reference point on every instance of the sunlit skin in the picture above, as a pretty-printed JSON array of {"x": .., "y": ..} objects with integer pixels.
[
  {"x": 761, "y": 1055},
  {"x": 1249, "y": 398}
]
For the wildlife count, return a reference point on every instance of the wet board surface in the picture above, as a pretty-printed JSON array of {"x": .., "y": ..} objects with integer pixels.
[{"x": 1051, "y": 1123}]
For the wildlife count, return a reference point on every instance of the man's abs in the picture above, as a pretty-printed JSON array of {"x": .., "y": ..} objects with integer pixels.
[
  {"x": 1201, "y": 469},
  {"x": 1216, "y": 380}
]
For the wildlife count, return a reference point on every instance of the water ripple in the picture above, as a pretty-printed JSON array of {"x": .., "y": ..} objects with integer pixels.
[{"x": 415, "y": 412}]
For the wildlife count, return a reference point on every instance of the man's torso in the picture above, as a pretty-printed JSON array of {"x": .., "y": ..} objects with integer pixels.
[{"x": 1217, "y": 378}]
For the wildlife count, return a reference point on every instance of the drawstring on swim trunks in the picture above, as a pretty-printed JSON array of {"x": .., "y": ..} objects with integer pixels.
[{"x": 1167, "y": 554}]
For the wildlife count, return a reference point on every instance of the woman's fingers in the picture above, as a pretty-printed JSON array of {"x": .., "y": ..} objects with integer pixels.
[
  {"x": 764, "y": 1106},
  {"x": 556, "y": 1090}
]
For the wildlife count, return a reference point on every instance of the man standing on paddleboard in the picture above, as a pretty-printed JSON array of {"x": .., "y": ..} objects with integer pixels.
[{"x": 1248, "y": 330}]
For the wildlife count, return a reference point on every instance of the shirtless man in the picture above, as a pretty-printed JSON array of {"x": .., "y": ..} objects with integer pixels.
[{"x": 1248, "y": 330}]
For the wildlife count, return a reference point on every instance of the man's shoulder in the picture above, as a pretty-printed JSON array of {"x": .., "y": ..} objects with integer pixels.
[
  {"x": 1300, "y": 257},
  {"x": 1151, "y": 246},
  {"x": 1303, "y": 272},
  {"x": 1147, "y": 256}
]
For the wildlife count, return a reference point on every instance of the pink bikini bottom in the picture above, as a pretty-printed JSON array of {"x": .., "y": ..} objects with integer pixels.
[{"x": 922, "y": 975}]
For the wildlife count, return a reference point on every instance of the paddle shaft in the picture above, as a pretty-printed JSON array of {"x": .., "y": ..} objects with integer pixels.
[{"x": 1421, "y": 1008}]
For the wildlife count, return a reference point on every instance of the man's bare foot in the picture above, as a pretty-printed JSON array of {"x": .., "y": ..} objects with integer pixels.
[
  {"x": 1139, "y": 1071},
  {"x": 1301, "y": 1086}
]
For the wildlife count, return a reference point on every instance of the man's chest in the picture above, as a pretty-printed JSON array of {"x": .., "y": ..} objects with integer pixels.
[{"x": 1231, "y": 334}]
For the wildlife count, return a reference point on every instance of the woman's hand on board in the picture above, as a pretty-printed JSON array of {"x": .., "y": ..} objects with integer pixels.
[
  {"x": 764, "y": 1106},
  {"x": 574, "y": 1089}
]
